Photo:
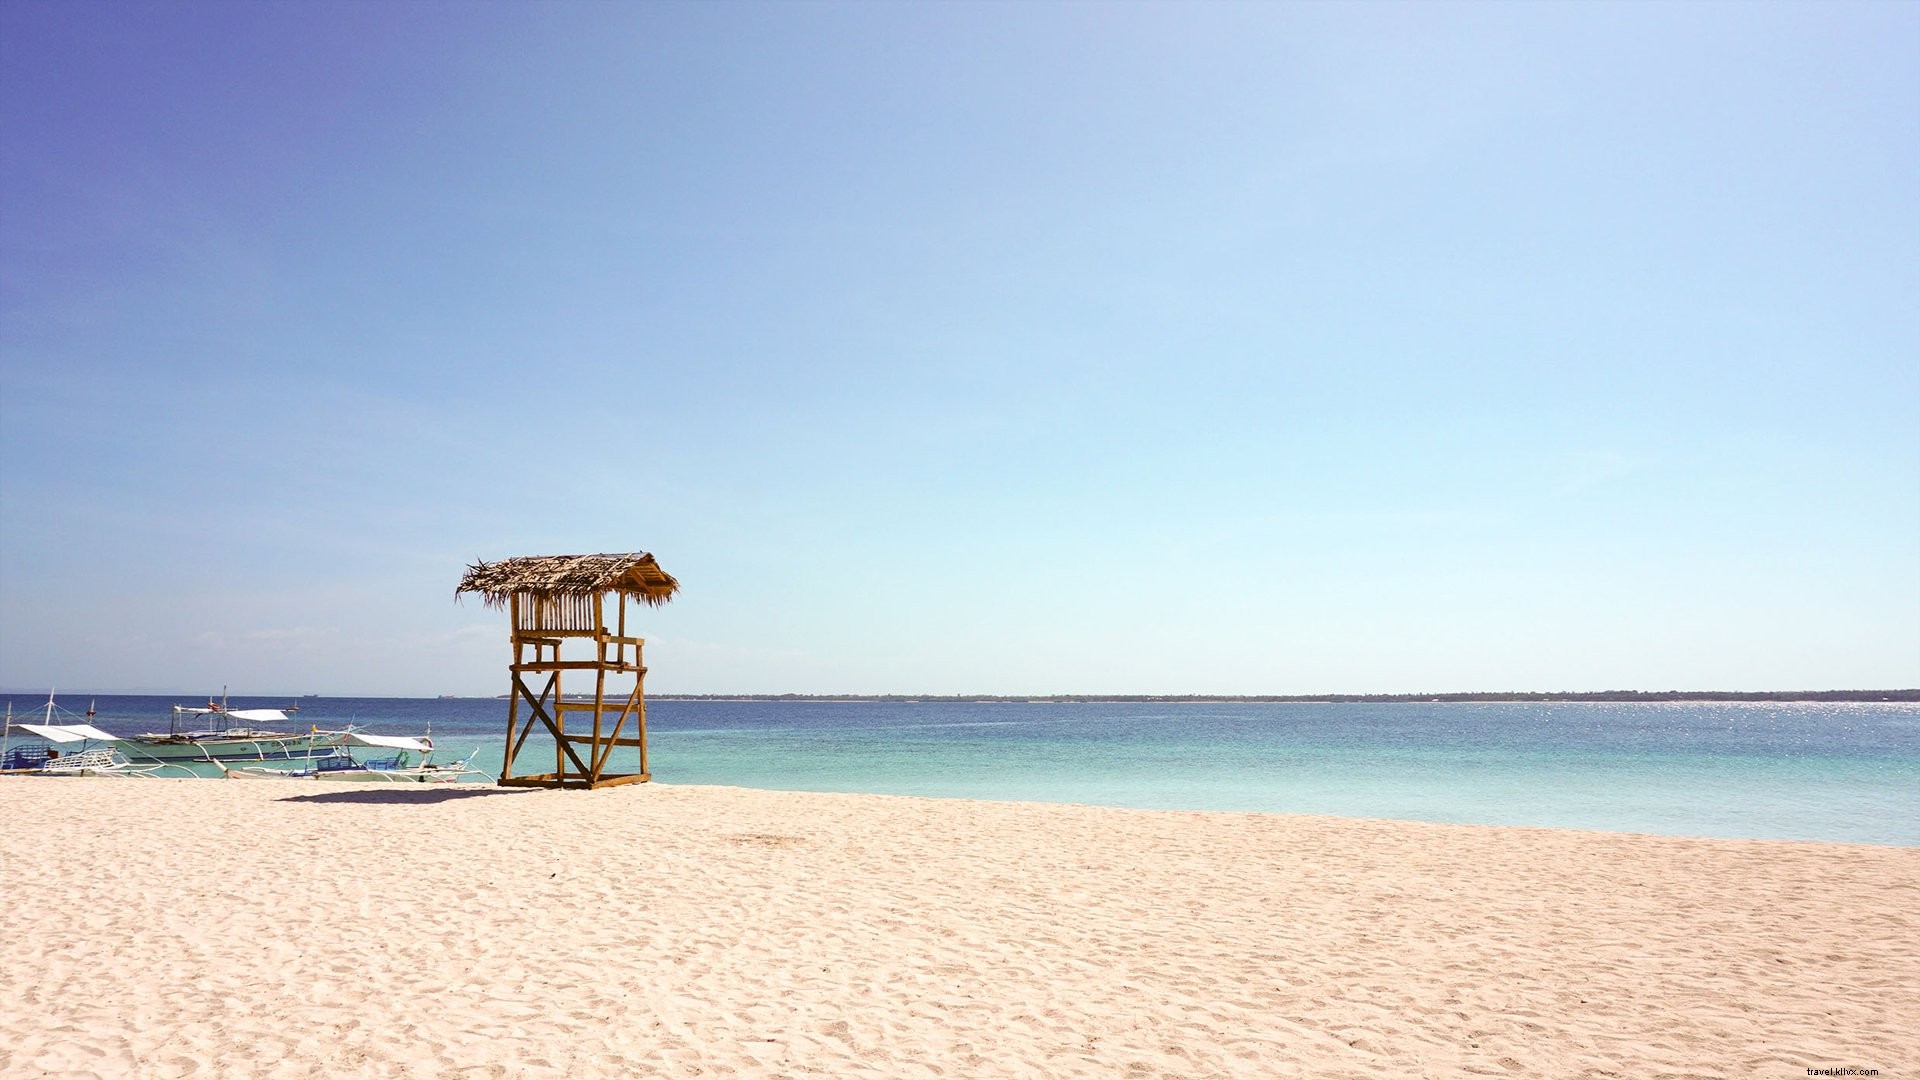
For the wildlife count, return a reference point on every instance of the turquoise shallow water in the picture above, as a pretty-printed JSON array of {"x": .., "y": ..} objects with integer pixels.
[{"x": 1837, "y": 772}]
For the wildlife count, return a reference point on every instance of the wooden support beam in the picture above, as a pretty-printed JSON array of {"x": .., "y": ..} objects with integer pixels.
[
  {"x": 551, "y": 780},
  {"x": 629, "y": 778},
  {"x": 640, "y": 718},
  {"x": 603, "y": 751},
  {"x": 540, "y": 713},
  {"x": 513, "y": 748},
  {"x": 513, "y": 699},
  {"x": 537, "y": 780},
  {"x": 600, "y": 677},
  {"x": 640, "y": 740}
]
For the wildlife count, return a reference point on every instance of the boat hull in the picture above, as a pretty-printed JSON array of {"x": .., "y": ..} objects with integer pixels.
[
  {"x": 180, "y": 748},
  {"x": 416, "y": 775},
  {"x": 425, "y": 775}
]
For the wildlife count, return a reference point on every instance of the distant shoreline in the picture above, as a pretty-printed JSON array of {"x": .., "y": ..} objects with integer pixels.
[
  {"x": 1907, "y": 695},
  {"x": 1332, "y": 699}
]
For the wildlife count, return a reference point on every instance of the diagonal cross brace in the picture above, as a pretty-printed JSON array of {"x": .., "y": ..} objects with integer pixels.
[
  {"x": 600, "y": 760},
  {"x": 538, "y": 705}
]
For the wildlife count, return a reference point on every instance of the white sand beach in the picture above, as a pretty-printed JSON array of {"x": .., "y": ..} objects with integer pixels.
[{"x": 203, "y": 928}]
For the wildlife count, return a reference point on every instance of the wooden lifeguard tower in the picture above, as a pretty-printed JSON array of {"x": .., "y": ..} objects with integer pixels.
[{"x": 556, "y": 600}]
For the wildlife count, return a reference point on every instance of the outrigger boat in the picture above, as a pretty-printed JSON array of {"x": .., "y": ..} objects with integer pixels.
[
  {"x": 237, "y": 739},
  {"x": 46, "y": 759},
  {"x": 337, "y": 764}
]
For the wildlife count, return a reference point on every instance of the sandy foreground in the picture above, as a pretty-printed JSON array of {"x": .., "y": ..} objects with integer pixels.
[{"x": 197, "y": 927}]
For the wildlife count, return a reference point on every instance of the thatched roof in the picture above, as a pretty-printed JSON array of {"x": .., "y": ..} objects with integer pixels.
[{"x": 634, "y": 574}]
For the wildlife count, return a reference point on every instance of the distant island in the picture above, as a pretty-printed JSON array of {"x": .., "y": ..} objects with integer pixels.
[{"x": 1594, "y": 695}]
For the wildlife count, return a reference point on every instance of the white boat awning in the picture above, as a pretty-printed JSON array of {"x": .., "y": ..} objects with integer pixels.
[
  {"x": 65, "y": 733},
  {"x": 251, "y": 716},
  {"x": 390, "y": 742}
]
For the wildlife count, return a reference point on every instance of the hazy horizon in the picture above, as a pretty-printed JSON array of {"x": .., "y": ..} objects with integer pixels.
[{"x": 230, "y": 693}]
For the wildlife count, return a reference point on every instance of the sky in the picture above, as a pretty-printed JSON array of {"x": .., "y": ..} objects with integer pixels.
[{"x": 966, "y": 348}]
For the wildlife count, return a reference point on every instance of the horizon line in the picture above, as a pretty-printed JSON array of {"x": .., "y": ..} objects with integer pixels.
[{"x": 1896, "y": 694}]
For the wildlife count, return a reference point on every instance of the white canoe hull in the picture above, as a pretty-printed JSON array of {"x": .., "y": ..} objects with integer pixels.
[
  {"x": 426, "y": 774},
  {"x": 265, "y": 746},
  {"x": 419, "y": 774}
]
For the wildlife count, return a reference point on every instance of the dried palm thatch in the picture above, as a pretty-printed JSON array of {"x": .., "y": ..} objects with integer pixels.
[{"x": 634, "y": 574}]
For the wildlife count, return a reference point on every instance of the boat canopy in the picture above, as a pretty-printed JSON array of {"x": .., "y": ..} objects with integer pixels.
[
  {"x": 390, "y": 742},
  {"x": 65, "y": 733},
  {"x": 251, "y": 716}
]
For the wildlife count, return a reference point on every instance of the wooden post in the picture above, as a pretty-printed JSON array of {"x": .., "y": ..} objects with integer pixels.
[
  {"x": 513, "y": 686},
  {"x": 559, "y": 719},
  {"x": 640, "y": 714},
  {"x": 599, "y": 681}
]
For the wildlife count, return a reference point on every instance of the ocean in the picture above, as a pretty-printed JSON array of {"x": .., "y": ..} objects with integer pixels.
[{"x": 1845, "y": 772}]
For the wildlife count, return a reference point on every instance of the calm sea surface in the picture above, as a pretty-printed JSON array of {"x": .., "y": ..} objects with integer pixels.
[{"x": 1844, "y": 772}]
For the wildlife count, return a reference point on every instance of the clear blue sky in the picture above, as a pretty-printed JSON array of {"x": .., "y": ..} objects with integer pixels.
[{"x": 1017, "y": 348}]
